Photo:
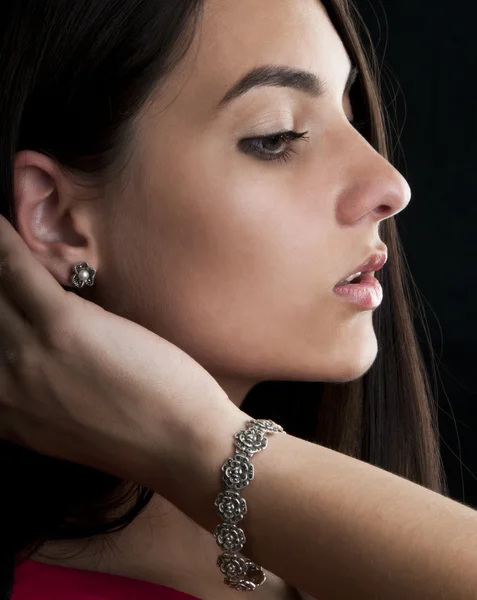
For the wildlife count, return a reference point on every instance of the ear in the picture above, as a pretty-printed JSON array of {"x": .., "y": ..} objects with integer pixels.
[{"x": 53, "y": 221}]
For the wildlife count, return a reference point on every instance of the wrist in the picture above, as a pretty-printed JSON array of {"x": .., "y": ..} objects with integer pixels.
[{"x": 196, "y": 481}]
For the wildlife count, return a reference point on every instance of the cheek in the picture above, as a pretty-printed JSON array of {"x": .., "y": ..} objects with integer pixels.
[
  {"x": 234, "y": 236},
  {"x": 225, "y": 277}
]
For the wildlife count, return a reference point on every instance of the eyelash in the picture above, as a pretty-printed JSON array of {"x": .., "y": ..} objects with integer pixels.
[{"x": 289, "y": 137}]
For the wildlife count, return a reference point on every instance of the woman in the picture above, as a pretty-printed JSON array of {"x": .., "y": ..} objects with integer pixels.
[{"x": 216, "y": 165}]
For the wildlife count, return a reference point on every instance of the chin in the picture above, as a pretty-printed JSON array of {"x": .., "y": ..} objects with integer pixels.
[
  {"x": 338, "y": 363},
  {"x": 352, "y": 360}
]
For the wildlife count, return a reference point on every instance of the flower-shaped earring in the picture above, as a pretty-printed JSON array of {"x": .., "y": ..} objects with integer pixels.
[{"x": 83, "y": 274}]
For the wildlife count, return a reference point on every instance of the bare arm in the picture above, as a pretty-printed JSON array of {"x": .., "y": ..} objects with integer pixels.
[{"x": 337, "y": 527}]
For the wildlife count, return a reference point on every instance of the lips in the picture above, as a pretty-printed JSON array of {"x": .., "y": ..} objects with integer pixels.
[{"x": 373, "y": 263}]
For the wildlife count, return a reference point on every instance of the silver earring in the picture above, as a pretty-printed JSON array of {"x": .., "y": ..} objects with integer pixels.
[{"x": 83, "y": 274}]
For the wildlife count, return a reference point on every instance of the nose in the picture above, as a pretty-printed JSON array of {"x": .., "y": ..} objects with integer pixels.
[{"x": 372, "y": 186}]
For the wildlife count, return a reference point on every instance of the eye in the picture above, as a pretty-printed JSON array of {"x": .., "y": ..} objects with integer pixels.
[{"x": 277, "y": 146}]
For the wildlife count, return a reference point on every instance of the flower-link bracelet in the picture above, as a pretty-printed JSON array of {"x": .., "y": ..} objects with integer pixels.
[{"x": 237, "y": 472}]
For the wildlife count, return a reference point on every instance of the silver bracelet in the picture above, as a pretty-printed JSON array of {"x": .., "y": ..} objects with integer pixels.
[{"x": 237, "y": 472}]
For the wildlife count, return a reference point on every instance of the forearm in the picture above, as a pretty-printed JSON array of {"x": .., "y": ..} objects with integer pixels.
[{"x": 338, "y": 527}]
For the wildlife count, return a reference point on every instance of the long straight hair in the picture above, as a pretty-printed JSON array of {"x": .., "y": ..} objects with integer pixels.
[{"x": 73, "y": 76}]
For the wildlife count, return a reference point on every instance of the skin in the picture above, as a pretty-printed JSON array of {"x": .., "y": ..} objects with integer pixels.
[{"x": 229, "y": 256}]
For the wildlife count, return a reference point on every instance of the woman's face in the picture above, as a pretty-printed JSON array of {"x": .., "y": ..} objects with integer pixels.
[{"x": 229, "y": 255}]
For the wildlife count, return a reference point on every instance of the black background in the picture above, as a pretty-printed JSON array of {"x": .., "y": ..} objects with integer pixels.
[{"x": 428, "y": 51}]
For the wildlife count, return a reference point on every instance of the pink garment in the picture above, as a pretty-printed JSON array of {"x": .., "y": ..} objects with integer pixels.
[{"x": 38, "y": 581}]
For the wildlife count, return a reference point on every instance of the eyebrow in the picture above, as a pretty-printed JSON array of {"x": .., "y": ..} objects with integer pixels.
[{"x": 282, "y": 76}]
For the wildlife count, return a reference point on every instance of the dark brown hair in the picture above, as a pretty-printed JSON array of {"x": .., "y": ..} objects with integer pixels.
[{"x": 74, "y": 75}]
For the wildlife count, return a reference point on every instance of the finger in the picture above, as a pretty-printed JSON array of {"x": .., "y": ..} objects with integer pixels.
[
  {"x": 25, "y": 280},
  {"x": 14, "y": 332}
]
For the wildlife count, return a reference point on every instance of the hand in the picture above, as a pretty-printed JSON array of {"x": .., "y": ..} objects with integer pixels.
[{"x": 82, "y": 384}]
